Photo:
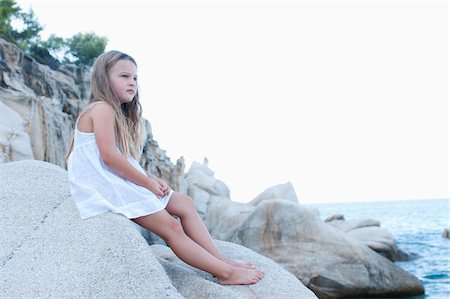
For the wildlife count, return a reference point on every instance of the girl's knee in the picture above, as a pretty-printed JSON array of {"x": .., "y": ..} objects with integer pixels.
[
  {"x": 181, "y": 205},
  {"x": 189, "y": 201},
  {"x": 189, "y": 207},
  {"x": 174, "y": 226},
  {"x": 174, "y": 229}
]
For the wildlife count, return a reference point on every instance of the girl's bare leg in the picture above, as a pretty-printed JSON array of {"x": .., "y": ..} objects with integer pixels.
[
  {"x": 168, "y": 228},
  {"x": 183, "y": 206}
]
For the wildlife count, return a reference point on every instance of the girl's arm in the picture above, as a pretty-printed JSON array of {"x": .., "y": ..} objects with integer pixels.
[
  {"x": 103, "y": 125},
  {"x": 151, "y": 175}
]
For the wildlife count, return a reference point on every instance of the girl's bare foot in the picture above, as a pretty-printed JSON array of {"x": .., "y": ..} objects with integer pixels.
[
  {"x": 242, "y": 276},
  {"x": 240, "y": 264}
]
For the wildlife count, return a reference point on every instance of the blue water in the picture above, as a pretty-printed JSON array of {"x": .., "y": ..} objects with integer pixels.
[{"x": 417, "y": 226}]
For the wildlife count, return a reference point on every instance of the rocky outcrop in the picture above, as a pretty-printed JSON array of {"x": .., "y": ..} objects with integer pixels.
[
  {"x": 38, "y": 109},
  {"x": 446, "y": 233},
  {"x": 42, "y": 102},
  {"x": 333, "y": 262},
  {"x": 48, "y": 251},
  {"x": 369, "y": 232}
]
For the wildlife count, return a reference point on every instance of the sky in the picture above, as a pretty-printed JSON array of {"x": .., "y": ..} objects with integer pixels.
[{"x": 347, "y": 100}]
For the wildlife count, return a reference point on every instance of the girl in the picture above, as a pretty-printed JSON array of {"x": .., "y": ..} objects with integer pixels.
[{"x": 105, "y": 176}]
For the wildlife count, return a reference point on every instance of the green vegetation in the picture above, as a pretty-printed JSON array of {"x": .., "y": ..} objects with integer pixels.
[
  {"x": 23, "y": 29},
  {"x": 10, "y": 12},
  {"x": 86, "y": 47}
]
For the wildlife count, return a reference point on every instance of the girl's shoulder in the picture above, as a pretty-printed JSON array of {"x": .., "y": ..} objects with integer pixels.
[
  {"x": 101, "y": 106},
  {"x": 102, "y": 112},
  {"x": 97, "y": 107},
  {"x": 90, "y": 112}
]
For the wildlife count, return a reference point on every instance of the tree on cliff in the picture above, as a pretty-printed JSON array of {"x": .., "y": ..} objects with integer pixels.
[
  {"x": 24, "y": 30},
  {"x": 81, "y": 49},
  {"x": 8, "y": 10},
  {"x": 29, "y": 31}
]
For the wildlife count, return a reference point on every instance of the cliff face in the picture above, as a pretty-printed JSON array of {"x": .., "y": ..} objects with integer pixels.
[{"x": 38, "y": 109}]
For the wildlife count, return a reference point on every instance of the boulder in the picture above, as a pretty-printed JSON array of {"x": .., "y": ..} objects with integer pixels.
[
  {"x": 281, "y": 191},
  {"x": 368, "y": 232},
  {"x": 49, "y": 251}
]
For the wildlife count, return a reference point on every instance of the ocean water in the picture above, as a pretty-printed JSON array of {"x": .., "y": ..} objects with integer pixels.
[{"x": 417, "y": 226}]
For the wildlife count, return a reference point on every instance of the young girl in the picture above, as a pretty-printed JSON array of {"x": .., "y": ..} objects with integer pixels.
[{"x": 105, "y": 176}]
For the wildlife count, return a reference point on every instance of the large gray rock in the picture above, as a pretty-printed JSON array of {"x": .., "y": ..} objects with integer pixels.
[
  {"x": 368, "y": 232},
  {"x": 333, "y": 261},
  {"x": 48, "y": 251}
]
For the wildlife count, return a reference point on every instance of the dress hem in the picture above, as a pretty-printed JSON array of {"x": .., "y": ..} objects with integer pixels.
[{"x": 127, "y": 212}]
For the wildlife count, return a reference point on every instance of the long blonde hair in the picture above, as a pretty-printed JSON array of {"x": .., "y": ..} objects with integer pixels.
[{"x": 128, "y": 116}]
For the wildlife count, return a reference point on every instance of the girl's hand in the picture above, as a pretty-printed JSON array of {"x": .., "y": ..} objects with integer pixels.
[
  {"x": 164, "y": 187},
  {"x": 155, "y": 187}
]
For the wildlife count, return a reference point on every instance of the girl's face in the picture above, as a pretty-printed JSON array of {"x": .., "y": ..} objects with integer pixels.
[{"x": 123, "y": 80}]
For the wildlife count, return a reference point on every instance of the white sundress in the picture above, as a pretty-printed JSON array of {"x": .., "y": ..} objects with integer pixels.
[{"x": 96, "y": 189}]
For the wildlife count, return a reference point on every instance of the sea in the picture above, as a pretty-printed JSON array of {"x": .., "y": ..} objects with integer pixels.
[{"x": 417, "y": 226}]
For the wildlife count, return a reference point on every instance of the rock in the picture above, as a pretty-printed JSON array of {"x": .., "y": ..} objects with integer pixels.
[
  {"x": 335, "y": 217},
  {"x": 281, "y": 191},
  {"x": 369, "y": 233},
  {"x": 324, "y": 258},
  {"x": 191, "y": 282},
  {"x": 380, "y": 240},
  {"x": 218, "y": 213},
  {"x": 49, "y": 251},
  {"x": 14, "y": 141},
  {"x": 205, "y": 180},
  {"x": 42, "y": 55},
  {"x": 339, "y": 222}
]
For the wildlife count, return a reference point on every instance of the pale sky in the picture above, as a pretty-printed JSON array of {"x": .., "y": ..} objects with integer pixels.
[{"x": 347, "y": 100}]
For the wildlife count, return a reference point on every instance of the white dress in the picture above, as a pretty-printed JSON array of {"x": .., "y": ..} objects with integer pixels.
[{"x": 96, "y": 189}]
